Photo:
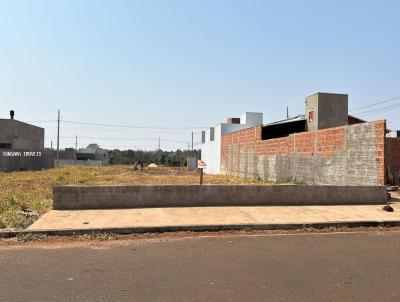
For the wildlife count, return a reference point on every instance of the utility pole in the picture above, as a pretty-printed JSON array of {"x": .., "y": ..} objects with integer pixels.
[
  {"x": 76, "y": 147},
  {"x": 159, "y": 153},
  {"x": 287, "y": 112},
  {"x": 51, "y": 145},
  {"x": 192, "y": 141},
  {"x": 58, "y": 138}
]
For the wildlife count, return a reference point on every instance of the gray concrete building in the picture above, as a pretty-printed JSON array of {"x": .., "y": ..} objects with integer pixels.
[
  {"x": 22, "y": 147},
  {"x": 16, "y": 135},
  {"x": 326, "y": 110}
]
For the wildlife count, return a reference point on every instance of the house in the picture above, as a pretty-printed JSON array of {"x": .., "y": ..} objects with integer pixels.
[
  {"x": 92, "y": 155},
  {"x": 211, "y": 138},
  {"x": 325, "y": 145}
]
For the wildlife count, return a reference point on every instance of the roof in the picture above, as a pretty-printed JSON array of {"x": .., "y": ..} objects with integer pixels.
[
  {"x": 321, "y": 92},
  {"x": 300, "y": 117},
  {"x": 356, "y": 118},
  {"x": 9, "y": 121}
]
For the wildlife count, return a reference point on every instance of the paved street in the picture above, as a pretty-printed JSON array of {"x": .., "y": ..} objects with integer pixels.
[{"x": 302, "y": 267}]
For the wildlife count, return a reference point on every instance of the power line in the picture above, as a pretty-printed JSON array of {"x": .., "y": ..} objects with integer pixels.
[
  {"x": 46, "y": 121},
  {"x": 127, "y": 126},
  {"x": 378, "y": 110},
  {"x": 119, "y": 130},
  {"x": 374, "y": 104},
  {"x": 118, "y": 139},
  {"x": 150, "y": 147},
  {"x": 120, "y": 126}
]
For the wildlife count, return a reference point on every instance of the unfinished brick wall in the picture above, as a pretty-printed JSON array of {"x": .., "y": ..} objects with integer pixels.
[
  {"x": 393, "y": 159},
  {"x": 349, "y": 155}
]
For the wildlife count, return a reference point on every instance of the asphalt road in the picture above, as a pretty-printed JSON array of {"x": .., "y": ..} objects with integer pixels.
[{"x": 310, "y": 267}]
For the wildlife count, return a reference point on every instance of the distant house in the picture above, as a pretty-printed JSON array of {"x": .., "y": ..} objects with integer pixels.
[
  {"x": 93, "y": 152},
  {"x": 92, "y": 155}
]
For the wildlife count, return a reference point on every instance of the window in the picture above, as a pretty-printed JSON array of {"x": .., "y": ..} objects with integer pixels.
[
  {"x": 203, "y": 137},
  {"x": 212, "y": 134},
  {"x": 5, "y": 146},
  {"x": 311, "y": 116}
]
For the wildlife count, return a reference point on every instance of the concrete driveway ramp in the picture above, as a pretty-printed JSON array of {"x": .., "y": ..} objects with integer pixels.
[{"x": 162, "y": 196}]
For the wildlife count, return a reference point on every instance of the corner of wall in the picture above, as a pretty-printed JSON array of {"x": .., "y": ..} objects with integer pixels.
[{"x": 381, "y": 143}]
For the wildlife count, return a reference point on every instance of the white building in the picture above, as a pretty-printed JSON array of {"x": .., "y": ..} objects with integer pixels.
[{"x": 211, "y": 138}]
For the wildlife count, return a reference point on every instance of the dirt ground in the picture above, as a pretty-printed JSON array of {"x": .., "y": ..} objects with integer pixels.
[
  {"x": 105, "y": 240},
  {"x": 26, "y": 195}
]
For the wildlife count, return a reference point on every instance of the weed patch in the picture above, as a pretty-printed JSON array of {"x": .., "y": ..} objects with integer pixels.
[
  {"x": 23, "y": 191},
  {"x": 30, "y": 237}
]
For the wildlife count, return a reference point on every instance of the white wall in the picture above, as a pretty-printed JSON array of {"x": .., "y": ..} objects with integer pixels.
[
  {"x": 211, "y": 151},
  {"x": 251, "y": 119}
]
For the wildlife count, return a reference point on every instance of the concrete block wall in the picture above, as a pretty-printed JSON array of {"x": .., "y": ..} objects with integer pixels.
[
  {"x": 347, "y": 155},
  {"x": 72, "y": 162},
  {"x": 23, "y": 163},
  {"x": 159, "y": 196}
]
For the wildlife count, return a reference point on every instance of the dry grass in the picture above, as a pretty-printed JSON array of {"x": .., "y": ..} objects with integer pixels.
[{"x": 33, "y": 190}]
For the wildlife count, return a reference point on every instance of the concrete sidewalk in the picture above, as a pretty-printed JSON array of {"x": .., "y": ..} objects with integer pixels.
[{"x": 214, "y": 218}]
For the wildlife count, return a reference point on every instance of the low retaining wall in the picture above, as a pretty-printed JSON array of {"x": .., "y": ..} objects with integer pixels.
[
  {"x": 159, "y": 196},
  {"x": 72, "y": 162}
]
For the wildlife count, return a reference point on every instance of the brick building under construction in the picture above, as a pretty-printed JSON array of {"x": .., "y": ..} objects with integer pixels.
[{"x": 323, "y": 146}]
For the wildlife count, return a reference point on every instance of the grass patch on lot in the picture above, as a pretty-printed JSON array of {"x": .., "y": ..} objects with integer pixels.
[{"x": 26, "y": 195}]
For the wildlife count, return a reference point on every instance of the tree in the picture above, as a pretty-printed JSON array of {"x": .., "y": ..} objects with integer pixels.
[{"x": 127, "y": 157}]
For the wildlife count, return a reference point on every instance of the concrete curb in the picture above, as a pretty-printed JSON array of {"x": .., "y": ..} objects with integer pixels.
[{"x": 199, "y": 228}]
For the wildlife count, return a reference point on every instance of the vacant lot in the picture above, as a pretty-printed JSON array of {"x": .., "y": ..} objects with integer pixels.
[{"x": 25, "y": 195}]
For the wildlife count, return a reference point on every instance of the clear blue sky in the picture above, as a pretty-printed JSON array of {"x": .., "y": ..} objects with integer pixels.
[{"x": 190, "y": 63}]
